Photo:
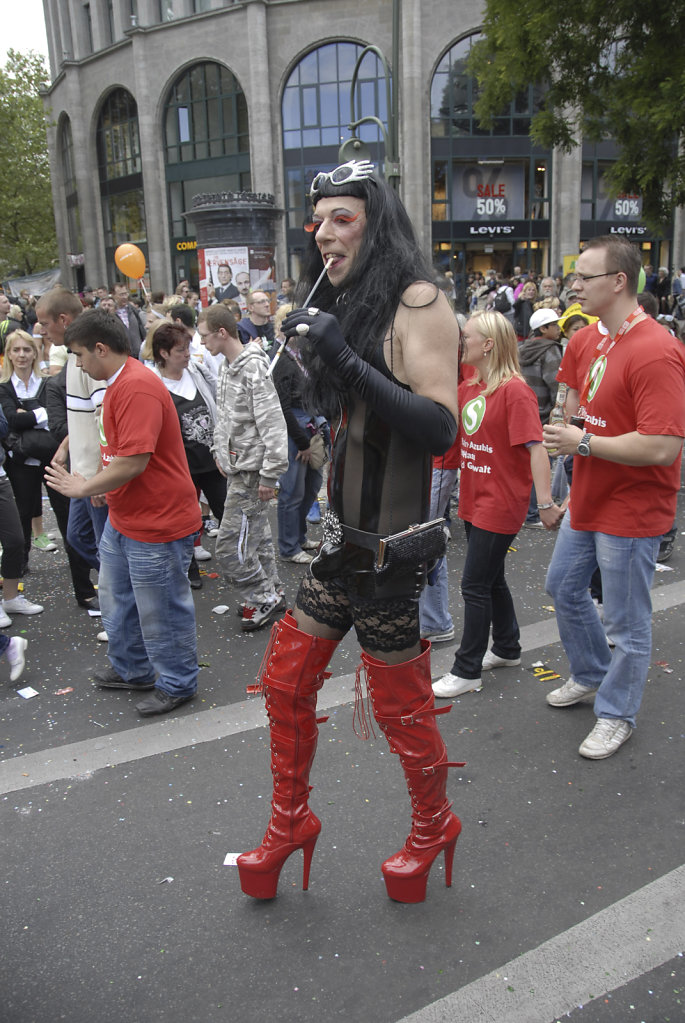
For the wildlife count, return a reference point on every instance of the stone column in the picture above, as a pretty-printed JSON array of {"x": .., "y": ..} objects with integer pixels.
[
  {"x": 415, "y": 162},
  {"x": 262, "y": 158},
  {"x": 678, "y": 246},
  {"x": 565, "y": 206},
  {"x": 146, "y": 92}
]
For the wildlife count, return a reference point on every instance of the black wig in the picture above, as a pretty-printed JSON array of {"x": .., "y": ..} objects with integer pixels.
[{"x": 389, "y": 260}]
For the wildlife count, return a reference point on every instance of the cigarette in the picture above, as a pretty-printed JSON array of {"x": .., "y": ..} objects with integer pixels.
[{"x": 306, "y": 302}]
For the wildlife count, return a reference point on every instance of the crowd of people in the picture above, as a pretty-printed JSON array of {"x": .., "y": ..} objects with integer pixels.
[
  {"x": 151, "y": 426},
  {"x": 524, "y": 292}
]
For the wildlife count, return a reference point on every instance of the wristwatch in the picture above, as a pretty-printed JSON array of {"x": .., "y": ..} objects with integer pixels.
[{"x": 584, "y": 445}]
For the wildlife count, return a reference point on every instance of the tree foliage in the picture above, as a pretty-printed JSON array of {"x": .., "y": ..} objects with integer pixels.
[
  {"x": 614, "y": 69},
  {"x": 28, "y": 240}
]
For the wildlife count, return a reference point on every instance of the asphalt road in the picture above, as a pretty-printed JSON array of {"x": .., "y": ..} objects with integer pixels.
[{"x": 568, "y": 893}]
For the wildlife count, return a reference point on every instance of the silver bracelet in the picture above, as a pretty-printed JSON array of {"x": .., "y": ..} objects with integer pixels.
[{"x": 544, "y": 507}]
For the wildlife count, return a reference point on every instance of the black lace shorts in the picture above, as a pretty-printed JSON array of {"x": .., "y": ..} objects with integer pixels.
[{"x": 384, "y": 624}]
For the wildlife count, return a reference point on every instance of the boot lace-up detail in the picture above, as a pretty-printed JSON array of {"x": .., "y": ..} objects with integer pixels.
[
  {"x": 404, "y": 707},
  {"x": 362, "y": 719},
  {"x": 291, "y": 673}
]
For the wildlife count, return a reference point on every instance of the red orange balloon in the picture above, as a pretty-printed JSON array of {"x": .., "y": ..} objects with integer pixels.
[{"x": 130, "y": 260}]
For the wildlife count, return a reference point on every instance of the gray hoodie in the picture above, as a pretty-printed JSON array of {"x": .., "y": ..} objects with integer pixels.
[{"x": 250, "y": 434}]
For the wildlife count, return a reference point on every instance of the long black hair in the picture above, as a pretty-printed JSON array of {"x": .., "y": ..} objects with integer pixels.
[{"x": 388, "y": 261}]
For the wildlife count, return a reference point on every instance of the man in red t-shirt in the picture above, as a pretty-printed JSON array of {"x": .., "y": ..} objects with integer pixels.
[
  {"x": 626, "y": 379},
  {"x": 147, "y": 544}
]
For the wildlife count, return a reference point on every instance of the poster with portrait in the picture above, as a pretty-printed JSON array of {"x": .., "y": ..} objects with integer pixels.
[
  {"x": 263, "y": 272},
  {"x": 224, "y": 273}
]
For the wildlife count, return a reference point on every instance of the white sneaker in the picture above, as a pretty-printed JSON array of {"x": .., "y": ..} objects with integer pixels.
[
  {"x": 491, "y": 660},
  {"x": 254, "y": 617},
  {"x": 606, "y": 737},
  {"x": 439, "y": 637},
  {"x": 102, "y": 637},
  {"x": 200, "y": 554},
  {"x": 571, "y": 692},
  {"x": 43, "y": 543},
  {"x": 21, "y": 606},
  {"x": 451, "y": 685},
  {"x": 16, "y": 656},
  {"x": 301, "y": 558},
  {"x": 5, "y": 619}
]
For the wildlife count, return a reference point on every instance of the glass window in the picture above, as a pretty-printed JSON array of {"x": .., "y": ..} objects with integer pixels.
[
  {"x": 111, "y": 34},
  {"x": 206, "y": 140},
  {"x": 316, "y": 112},
  {"x": 454, "y": 93},
  {"x": 209, "y": 115},
  {"x": 88, "y": 26},
  {"x": 118, "y": 141},
  {"x": 120, "y": 172},
  {"x": 124, "y": 218},
  {"x": 67, "y": 148},
  {"x": 317, "y": 96}
]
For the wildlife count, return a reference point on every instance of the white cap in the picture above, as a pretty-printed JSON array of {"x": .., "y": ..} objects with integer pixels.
[{"x": 542, "y": 317}]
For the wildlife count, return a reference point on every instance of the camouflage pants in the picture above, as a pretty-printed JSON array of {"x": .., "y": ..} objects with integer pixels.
[{"x": 244, "y": 546}]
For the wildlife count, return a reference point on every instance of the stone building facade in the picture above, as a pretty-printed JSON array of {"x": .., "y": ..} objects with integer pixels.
[{"x": 155, "y": 101}]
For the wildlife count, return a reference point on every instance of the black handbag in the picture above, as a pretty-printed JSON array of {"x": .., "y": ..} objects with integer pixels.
[
  {"x": 32, "y": 443},
  {"x": 420, "y": 544}
]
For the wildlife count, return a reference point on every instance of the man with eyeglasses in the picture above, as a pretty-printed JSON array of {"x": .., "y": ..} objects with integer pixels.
[
  {"x": 626, "y": 379},
  {"x": 257, "y": 325}
]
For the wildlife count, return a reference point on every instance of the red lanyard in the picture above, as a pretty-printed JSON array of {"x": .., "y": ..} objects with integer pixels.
[{"x": 599, "y": 350}]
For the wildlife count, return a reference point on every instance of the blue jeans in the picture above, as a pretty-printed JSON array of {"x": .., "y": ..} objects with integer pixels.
[
  {"x": 85, "y": 527},
  {"x": 487, "y": 601},
  {"x": 627, "y": 566},
  {"x": 434, "y": 603},
  {"x": 298, "y": 486},
  {"x": 148, "y": 611}
]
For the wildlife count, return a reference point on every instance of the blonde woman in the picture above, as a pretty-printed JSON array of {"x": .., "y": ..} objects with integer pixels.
[
  {"x": 501, "y": 454},
  {"x": 523, "y": 308},
  {"x": 22, "y": 397}
]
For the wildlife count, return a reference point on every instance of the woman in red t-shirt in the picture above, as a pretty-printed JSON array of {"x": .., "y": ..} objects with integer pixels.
[{"x": 501, "y": 452}]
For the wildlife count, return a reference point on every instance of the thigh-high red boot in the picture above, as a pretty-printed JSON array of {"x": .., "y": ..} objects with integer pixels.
[
  {"x": 404, "y": 707},
  {"x": 294, "y": 671}
]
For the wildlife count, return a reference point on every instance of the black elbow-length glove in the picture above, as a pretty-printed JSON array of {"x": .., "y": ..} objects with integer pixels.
[{"x": 418, "y": 418}]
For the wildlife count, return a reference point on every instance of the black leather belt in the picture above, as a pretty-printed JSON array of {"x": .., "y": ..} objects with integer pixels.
[{"x": 369, "y": 541}]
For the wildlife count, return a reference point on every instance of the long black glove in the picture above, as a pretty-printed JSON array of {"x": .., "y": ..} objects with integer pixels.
[{"x": 420, "y": 419}]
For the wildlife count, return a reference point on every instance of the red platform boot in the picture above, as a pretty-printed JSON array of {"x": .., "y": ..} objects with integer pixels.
[
  {"x": 404, "y": 707},
  {"x": 293, "y": 673}
]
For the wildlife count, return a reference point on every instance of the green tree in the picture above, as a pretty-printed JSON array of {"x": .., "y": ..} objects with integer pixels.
[
  {"x": 614, "y": 69},
  {"x": 28, "y": 241}
]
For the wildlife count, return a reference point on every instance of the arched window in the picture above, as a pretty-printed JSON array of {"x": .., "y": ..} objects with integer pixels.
[
  {"x": 454, "y": 93},
  {"x": 316, "y": 112},
  {"x": 74, "y": 234},
  {"x": 206, "y": 144},
  {"x": 120, "y": 172},
  {"x": 66, "y": 148}
]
